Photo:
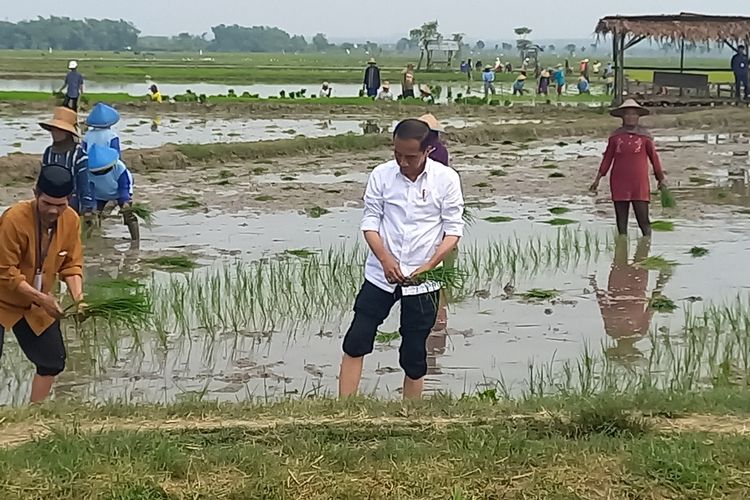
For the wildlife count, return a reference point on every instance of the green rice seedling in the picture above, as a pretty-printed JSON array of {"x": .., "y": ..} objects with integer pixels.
[
  {"x": 498, "y": 218},
  {"x": 302, "y": 253},
  {"x": 667, "y": 198},
  {"x": 448, "y": 276},
  {"x": 316, "y": 212},
  {"x": 540, "y": 294},
  {"x": 498, "y": 173},
  {"x": 264, "y": 198},
  {"x": 387, "y": 337},
  {"x": 259, "y": 170},
  {"x": 559, "y": 210},
  {"x": 698, "y": 252},
  {"x": 468, "y": 216},
  {"x": 548, "y": 166},
  {"x": 177, "y": 262},
  {"x": 662, "y": 304},
  {"x": 700, "y": 181},
  {"x": 556, "y": 175},
  {"x": 482, "y": 185},
  {"x": 662, "y": 225},
  {"x": 143, "y": 212},
  {"x": 288, "y": 178},
  {"x": 560, "y": 222},
  {"x": 187, "y": 202},
  {"x": 656, "y": 263},
  {"x": 744, "y": 211},
  {"x": 225, "y": 174}
]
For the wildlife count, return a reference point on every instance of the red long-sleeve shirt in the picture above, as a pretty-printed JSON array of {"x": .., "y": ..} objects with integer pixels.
[{"x": 627, "y": 156}]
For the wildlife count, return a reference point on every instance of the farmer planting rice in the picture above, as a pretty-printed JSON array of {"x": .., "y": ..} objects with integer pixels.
[
  {"x": 628, "y": 153},
  {"x": 101, "y": 120},
  {"x": 73, "y": 86},
  {"x": 372, "y": 78},
  {"x": 40, "y": 241},
  {"x": 67, "y": 153},
  {"x": 438, "y": 151},
  {"x": 112, "y": 182},
  {"x": 412, "y": 222}
]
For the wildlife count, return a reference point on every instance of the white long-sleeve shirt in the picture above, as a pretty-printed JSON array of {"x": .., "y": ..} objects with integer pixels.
[{"x": 412, "y": 218}]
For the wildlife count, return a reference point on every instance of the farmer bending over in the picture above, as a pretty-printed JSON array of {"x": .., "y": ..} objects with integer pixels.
[
  {"x": 112, "y": 182},
  {"x": 412, "y": 221},
  {"x": 39, "y": 241}
]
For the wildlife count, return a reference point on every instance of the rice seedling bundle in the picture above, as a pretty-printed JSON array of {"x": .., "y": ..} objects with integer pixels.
[
  {"x": 662, "y": 225},
  {"x": 539, "y": 294},
  {"x": 143, "y": 212},
  {"x": 662, "y": 304},
  {"x": 667, "y": 198},
  {"x": 447, "y": 276},
  {"x": 119, "y": 302},
  {"x": 698, "y": 251}
]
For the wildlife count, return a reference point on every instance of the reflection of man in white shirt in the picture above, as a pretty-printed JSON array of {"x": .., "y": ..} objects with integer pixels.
[{"x": 413, "y": 220}]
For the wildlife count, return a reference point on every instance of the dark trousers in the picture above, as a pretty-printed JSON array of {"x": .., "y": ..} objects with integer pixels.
[
  {"x": 740, "y": 83},
  {"x": 418, "y": 315},
  {"x": 45, "y": 351},
  {"x": 407, "y": 93},
  {"x": 372, "y": 92},
  {"x": 622, "y": 213},
  {"x": 71, "y": 102}
]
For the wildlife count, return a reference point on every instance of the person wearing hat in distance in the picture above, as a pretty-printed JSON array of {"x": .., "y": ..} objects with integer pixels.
[
  {"x": 425, "y": 93},
  {"x": 544, "y": 81},
  {"x": 412, "y": 221},
  {"x": 325, "y": 90},
  {"x": 385, "y": 94},
  {"x": 438, "y": 151},
  {"x": 372, "y": 78},
  {"x": 629, "y": 150},
  {"x": 111, "y": 181},
  {"x": 584, "y": 87},
  {"x": 40, "y": 241},
  {"x": 73, "y": 86},
  {"x": 518, "y": 85},
  {"x": 408, "y": 80},
  {"x": 66, "y": 152},
  {"x": 488, "y": 77},
  {"x": 560, "y": 79},
  {"x": 101, "y": 120}
]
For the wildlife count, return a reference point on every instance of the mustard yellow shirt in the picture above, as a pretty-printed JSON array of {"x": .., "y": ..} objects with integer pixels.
[{"x": 17, "y": 262}]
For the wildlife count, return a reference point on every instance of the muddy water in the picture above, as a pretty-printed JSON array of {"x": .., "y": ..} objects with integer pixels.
[{"x": 490, "y": 336}]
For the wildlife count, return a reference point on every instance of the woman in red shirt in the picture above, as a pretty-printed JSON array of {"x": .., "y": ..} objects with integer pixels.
[{"x": 629, "y": 151}]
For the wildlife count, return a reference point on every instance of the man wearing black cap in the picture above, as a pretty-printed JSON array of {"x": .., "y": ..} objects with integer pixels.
[{"x": 39, "y": 242}]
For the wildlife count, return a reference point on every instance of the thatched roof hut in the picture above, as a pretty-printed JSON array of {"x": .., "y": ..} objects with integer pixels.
[{"x": 687, "y": 27}]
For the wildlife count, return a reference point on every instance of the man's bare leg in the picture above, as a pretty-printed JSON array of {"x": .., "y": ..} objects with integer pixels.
[
  {"x": 41, "y": 387},
  {"x": 413, "y": 388},
  {"x": 350, "y": 375}
]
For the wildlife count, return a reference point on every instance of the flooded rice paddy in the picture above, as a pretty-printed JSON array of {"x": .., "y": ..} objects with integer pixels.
[{"x": 264, "y": 314}]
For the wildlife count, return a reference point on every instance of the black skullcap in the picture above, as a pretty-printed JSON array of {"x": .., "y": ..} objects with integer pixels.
[{"x": 55, "y": 181}]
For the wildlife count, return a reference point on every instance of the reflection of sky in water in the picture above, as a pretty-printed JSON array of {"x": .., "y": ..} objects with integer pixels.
[
  {"x": 489, "y": 338},
  {"x": 23, "y": 134}
]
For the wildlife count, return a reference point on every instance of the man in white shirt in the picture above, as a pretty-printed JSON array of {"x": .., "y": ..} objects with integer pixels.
[{"x": 413, "y": 219}]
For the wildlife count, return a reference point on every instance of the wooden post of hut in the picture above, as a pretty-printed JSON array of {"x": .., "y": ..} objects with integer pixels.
[{"x": 693, "y": 83}]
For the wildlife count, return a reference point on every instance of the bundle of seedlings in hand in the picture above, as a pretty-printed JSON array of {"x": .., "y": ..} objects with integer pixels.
[
  {"x": 667, "y": 198},
  {"x": 119, "y": 302},
  {"x": 447, "y": 277},
  {"x": 143, "y": 212}
]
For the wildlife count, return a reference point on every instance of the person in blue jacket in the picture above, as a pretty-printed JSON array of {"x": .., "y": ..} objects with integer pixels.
[
  {"x": 111, "y": 181},
  {"x": 100, "y": 121},
  {"x": 740, "y": 70},
  {"x": 66, "y": 152}
]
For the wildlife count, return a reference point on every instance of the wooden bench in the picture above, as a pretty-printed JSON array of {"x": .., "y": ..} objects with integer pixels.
[{"x": 682, "y": 81}]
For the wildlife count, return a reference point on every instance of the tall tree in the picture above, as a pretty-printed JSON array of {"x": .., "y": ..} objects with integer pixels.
[
  {"x": 571, "y": 49},
  {"x": 428, "y": 32},
  {"x": 320, "y": 42}
]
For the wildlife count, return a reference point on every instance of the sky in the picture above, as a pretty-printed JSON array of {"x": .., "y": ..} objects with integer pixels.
[{"x": 359, "y": 20}]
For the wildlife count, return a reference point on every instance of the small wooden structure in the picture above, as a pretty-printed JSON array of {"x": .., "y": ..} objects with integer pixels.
[
  {"x": 448, "y": 48},
  {"x": 628, "y": 31}
]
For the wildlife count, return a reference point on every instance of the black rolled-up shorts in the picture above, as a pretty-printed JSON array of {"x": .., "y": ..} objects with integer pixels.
[
  {"x": 418, "y": 315},
  {"x": 45, "y": 351}
]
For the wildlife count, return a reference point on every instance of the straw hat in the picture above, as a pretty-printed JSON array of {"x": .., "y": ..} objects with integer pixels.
[
  {"x": 372, "y": 61},
  {"x": 629, "y": 104},
  {"x": 487, "y": 67},
  {"x": 72, "y": 64},
  {"x": 386, "y": 85},
  {"x": 521, "y": 77},
  {"x": 326, "y": 84},
  {"x": 432, "y": 122},
  {"x": 425, "y": 89},
  {"x": 63, "y": 119}
]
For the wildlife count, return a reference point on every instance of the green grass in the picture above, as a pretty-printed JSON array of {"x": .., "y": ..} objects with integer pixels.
[
  {"x": 498, "y": 173},
  {"x": 173, "y": 262},
  {"x": 662, "y": 304},
  {"x": 698, "y": 252},
  {"x": 667, "y": 198},
  {"x": 387, "y": 337},
  {"x": 316, "y": 212},
  {"x": 662, "y": 225},
  {"x": 143, "y": 211},
  {"x": 498, "y": 218},
  {"x": 556, "y": 175},
  {"x": 559, "y": 210},
  {"x": 540, "y": 294},
  {"x": 302, "y": 253},
  {"x": 264, "y": 198},
  {"x": 700, "y": 181},
  {"x": 187, "y": 202},
  {"x": 560, "y": 222},
  {"x": 656, "y": 263}
]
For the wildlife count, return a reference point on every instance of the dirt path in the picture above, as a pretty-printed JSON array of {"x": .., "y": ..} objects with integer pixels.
[{"x": 17, "y": 434}]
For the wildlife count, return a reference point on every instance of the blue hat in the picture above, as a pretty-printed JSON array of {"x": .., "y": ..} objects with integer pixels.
[
  {"x": 101, "y": 157},
  {"x": 102, "y": 116}
]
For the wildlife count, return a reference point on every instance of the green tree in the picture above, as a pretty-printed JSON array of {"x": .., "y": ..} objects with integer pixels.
[
  {"x": 320, "y": 42},
  {"x": 480, "y": 45},
  {"x": 571, "y": 49},
  {"x": 403, "y": 45}
]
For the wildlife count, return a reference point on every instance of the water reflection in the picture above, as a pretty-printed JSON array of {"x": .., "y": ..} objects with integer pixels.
[{"x": 624, "y": 304}]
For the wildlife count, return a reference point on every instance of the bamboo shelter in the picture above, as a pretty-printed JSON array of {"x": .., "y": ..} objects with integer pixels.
[{"x": 628, "y": 31}]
